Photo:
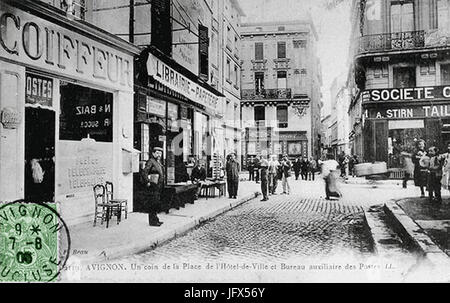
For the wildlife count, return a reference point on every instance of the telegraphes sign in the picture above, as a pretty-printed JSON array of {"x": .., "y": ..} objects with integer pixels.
[
  {"x": 181, "y": 84},
  {"x": 39, "y": 90},
  {"x": 428, "y": 111},
  {"x": 407, "y": 94},
  {"x": 39, "y": 43}
]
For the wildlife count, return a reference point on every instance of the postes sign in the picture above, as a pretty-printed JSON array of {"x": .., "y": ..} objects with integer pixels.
[{"x": 407, "y": 94}]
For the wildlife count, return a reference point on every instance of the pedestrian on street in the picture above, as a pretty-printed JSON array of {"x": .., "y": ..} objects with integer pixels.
[
  {"x": 297, "y": 167},
  {"x": 434, "y": 175},
  {"x": 251, "y": 169},
  {"x": 256, "y": 163},
  {"x": 329, "y": 172},
  {"x": 264, "y": 179},
  {"x": 408, "y": 167},
  {"x": 420, "y": 167},
  {"x": 312, "y": 169},
  {"x": 198, "y": 176},
  {"x": 152, "y": 178},
  {"x": 273, "y": 175},
  {"x": 286, "y": 175},
  {"x": 446, "y": 168},
  {"x": 343, "y": 161},
  {"x": 304, "y": 168},
  {"x": 232, "y": 170}
]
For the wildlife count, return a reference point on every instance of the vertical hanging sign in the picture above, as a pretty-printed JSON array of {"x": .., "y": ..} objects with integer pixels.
[{"x": 203, "y": 52}]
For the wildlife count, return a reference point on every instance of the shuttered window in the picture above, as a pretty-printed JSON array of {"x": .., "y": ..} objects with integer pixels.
[{"x": 259, "y": 51}]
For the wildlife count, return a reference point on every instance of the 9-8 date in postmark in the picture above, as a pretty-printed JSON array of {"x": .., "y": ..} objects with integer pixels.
[{"x": 34, "y": 242}]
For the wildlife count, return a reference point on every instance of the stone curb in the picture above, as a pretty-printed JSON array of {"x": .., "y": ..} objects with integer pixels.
[
  {"x": 127, "y": 249},
  {"x": 370, "y": 224},
  {"x": 414, "y": 235}
]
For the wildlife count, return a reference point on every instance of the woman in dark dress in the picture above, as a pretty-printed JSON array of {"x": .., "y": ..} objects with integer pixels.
[{"x": 420, "y": 172}]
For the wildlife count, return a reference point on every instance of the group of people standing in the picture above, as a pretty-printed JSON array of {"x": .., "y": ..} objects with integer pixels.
[
  {"x": 272, "y": 171},
  {"x": 305, "y": 168},
  {"x": 431, "y": 170}
]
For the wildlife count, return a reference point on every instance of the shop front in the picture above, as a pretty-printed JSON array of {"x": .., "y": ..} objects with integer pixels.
[
  {"x": 176, "y": 112},
  {"x": 391, "y": 128},
  {"x": 66, "y": 91}
]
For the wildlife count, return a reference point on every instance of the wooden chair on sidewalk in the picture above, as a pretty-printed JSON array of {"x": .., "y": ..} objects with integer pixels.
[
  {"x": 104, "y": 210},
  {"x": 110, "y": 199}
]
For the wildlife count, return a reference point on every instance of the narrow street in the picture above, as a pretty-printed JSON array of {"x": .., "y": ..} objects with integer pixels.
[{"x": 288, "y": 230}]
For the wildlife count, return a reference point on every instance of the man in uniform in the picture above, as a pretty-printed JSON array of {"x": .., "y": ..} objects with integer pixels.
[{"x": 153, "y": 177}]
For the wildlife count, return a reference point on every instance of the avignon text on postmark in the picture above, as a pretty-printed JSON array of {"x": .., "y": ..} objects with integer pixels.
[{"x": 34, "y": 242}]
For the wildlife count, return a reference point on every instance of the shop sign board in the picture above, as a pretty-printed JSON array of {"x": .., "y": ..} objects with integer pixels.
[
  {"x": 428, "y": 93},
  {"x": 39, "y": 90},
  {"x": 427, "y": 111},
  {"x": 156, "y": 107},
  {"x": 174, "y": 80},
  {"x": 36, "y": 42}
]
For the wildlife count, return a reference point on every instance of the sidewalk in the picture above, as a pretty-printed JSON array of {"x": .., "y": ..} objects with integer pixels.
[
  {"x": 97, "y": 244},
  {"x": 425, "y": 226}
]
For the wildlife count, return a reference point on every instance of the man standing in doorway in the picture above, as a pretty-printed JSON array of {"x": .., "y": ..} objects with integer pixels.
[
  {"x": 152, "y": 176},
  {"x": 232, "y": 170}
]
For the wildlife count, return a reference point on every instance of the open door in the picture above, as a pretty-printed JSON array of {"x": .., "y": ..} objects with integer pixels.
[{"x": 39, "y": 154}]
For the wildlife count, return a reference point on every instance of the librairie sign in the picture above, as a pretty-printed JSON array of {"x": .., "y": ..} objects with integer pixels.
[
  {"x": 407, "y": 94},
  {"x": 181, "y": 84}
]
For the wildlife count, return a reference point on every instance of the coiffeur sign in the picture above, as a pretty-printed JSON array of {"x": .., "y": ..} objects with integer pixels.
[
  {"x": 34, "y": 41},
  {"x": 407, "y": 94},
  {"x": 181, "y": 84}
]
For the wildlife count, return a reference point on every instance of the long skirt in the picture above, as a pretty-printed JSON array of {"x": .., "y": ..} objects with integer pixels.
[{"x": 331, "y": 186}]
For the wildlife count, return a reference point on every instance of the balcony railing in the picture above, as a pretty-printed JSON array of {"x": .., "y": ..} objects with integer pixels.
[
  {"x": 251, "y": 94},
  {"x": 392, "y": 41},
  {"x": 75, "y": 8}
]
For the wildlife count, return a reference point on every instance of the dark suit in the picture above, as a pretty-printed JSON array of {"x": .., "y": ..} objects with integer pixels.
[
  {"x": 153, "y": 190},
  {"x": 232, "y": 169}
]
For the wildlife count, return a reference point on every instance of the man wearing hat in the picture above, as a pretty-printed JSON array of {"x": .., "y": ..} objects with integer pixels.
[
  {"x": 153, "y": 177},
  {"x": 232, "y": 170},
  {"x": 264, "y": 165}
]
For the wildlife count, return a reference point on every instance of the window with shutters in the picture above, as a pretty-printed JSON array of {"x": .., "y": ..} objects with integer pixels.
[
  {"x": 404, "y": 77},
  {"x": 281, "y": 50},
  {"x": 259, "y": 51},
  {"x": 445, "y": 74},
  {"x": 259, "y": 83},
  {"x": 402, "y": 16},
  {"x": 282, "y": 79},
  {"x": 282, "y": 116},
  {"x": 260, "y": 115}
]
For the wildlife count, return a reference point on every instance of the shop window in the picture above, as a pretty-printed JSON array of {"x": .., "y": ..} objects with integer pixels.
[
  {"x": 282, "y": 79},
  {"x": 402, "y": 16},
  {"x": 282, "y": 116},
  {"x": 259, "y": 83},
  {"x": 445, "y": 74},
  {"x": 85, "y": 112},
  {"x": 281, "y": 50},
  {"x": 404, "y": 77},
  {"x": 259, "y": 51}
]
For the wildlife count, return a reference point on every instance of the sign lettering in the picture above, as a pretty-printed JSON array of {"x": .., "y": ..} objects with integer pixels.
[{"x": 407, "y": 94}]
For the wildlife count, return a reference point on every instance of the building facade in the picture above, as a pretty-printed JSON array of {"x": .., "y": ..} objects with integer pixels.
[
  {"x": 399, "y": 77},
  {"x": 340, "y": 103},
  {"x": 281, "y": 100},
  {"x": 66, "y": 89}
]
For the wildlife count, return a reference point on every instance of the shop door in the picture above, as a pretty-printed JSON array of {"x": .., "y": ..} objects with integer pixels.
[
  {"x": 39, "y": 154},
  {"x": 381, "y": 141}
]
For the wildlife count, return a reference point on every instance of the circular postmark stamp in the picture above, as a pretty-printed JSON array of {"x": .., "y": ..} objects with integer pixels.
[{"x": 34, "y": 242}]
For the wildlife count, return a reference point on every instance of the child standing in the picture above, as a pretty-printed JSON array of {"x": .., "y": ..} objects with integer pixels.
[{"x": 434, "y": 175}]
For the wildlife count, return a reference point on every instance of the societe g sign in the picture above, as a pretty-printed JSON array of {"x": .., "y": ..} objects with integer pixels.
[{"x": 407, "y": 94}]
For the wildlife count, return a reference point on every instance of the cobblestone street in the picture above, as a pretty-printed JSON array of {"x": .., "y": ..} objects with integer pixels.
[{"x": 301, "y": 227}]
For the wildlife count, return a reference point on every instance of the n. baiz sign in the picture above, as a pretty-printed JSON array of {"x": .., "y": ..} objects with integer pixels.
[{"x": 407, "y": 94}]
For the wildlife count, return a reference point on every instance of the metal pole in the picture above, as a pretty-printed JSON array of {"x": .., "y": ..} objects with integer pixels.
[{"x": 131, "y": 22}]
